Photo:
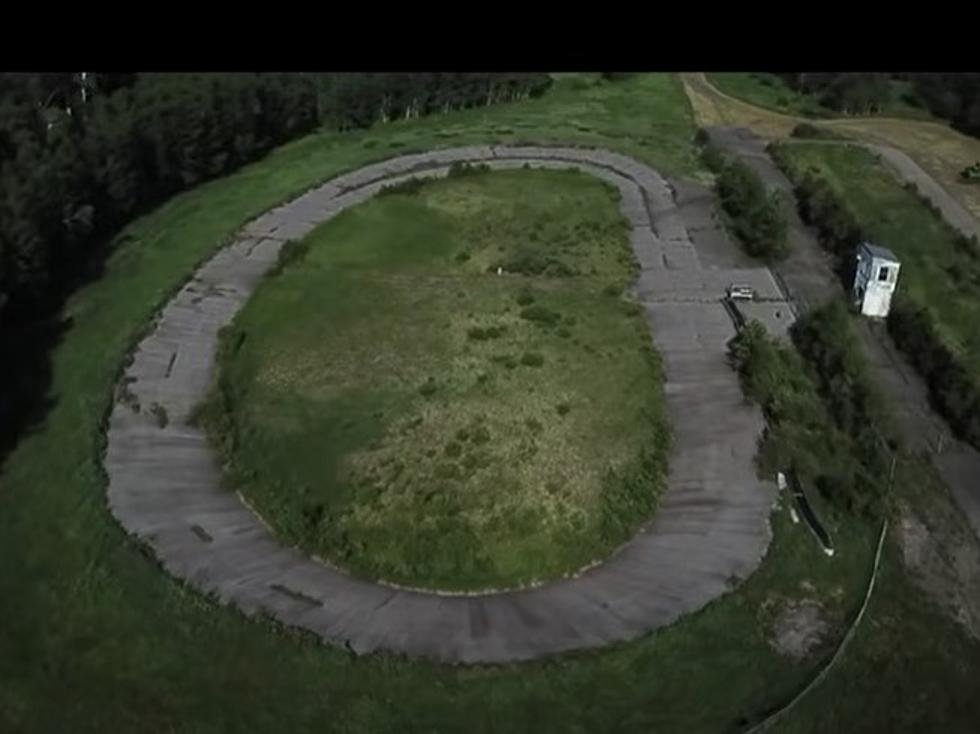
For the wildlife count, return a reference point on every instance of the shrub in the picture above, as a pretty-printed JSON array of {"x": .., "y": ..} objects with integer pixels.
[
  {"x": 628, "y": 496},
  {"x": 460, "y": 169},
  {"x": 755, "y": 214},
  {"x": 532, "y": 359},
  {"x": 453, "y": 449},
  {"x": 540, "y": 315},
  {"x": 408, "y": 187},
  {"x": 126, "y": 396},
  {"x": 826, "y": 339},
  {"x": 525, "y": 298},
  {"x": 447, "y": 471},
  {"x": 292, "y": 251},
  {"x": 713, "y": 158},
  {"x": 428, "y": 388},
  {"x": 616, "y": 76},
  {"x": 968, "y": 246},
  {"x": 479, "y": 435},
  {"x": 812, "y": 399},
  {"x": 952, "y": 389},
  {"x": 506, "y": 360},
  {"x": 478, "y": 333},
  {"x": 528, "y": 261},
  {"x": 822, "y": 208},
  {"x": 160, "y": 413},
  {"x": 808, "y": 130},
  {"x": 563, "y": 408}
]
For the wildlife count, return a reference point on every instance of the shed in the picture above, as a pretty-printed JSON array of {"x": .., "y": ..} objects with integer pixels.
[{"x": 875, "y": 279}]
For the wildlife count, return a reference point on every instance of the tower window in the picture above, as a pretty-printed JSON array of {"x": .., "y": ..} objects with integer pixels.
[{"x": 883, "y": 274}]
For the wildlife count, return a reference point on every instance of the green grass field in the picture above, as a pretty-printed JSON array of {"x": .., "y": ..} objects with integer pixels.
[
  {"x": 399, "y": 409},
  {"x": 909, "y": 668},
  {"x": 896, "y": 639},
  {"x": 936, "y": 272},
  {"x": 96, "y": 637},
  {"x": 770, "y": 91}
]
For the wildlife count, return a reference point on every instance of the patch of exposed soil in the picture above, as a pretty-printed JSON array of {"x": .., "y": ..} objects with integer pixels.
[
  {"x": 946, "y": 565},
  {"x": 799, "y": 628}
]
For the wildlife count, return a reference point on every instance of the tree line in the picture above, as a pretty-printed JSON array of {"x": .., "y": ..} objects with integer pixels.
[
  {"x": 953, "y": 97},
  {"x": 821, "y": 406},
  {"x": 954, "y": 391},
  {"x": 82, "y": 154},
  {"x": 77, "y": 163},
  {"x": 950, "y": 96},
  {"x": 819, "y": 206},
  {"x": 850, "y": 93},
  {"x": 359, "y": 100}
]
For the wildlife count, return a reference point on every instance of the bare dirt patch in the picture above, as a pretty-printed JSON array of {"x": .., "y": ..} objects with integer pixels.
[
  {"x": 944, "y": 564},
  {"x": 799, "y": 628}
]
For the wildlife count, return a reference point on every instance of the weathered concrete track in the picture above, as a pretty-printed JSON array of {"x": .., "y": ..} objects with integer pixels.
[{"x": 711, "y": 529}]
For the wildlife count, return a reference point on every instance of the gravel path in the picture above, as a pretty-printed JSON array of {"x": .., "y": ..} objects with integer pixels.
[{"x": 710, "y": 531}]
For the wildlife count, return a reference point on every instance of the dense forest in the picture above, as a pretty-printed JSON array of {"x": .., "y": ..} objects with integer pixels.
[
  {"x": 82, "y": 154},
  {"x": 950, "y": 96}
]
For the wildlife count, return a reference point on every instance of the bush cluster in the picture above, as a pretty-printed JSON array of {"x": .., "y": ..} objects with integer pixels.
[
  {"x": 755, "y": 214},
  {"x": 825, "y": 421},
  {"x": 952, "y": 389},
  {"x": 541, "y": 315},
  {"x": 954, "y": 392},
  {"x": 528, "y": 261}
]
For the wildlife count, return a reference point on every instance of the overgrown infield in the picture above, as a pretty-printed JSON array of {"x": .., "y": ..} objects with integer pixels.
[{"x": 391, "y": 403}]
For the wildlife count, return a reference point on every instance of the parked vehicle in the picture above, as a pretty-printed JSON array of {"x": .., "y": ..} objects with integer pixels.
[{"x": 740, "y": 293}]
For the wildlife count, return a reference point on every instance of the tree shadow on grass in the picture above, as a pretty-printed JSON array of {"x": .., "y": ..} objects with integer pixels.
[
  {"x": 25, "y": 378},
  {"x": 29, "y": 333}
]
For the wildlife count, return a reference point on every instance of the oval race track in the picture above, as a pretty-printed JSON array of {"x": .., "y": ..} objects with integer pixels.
[{"x": 711, "y": 528}]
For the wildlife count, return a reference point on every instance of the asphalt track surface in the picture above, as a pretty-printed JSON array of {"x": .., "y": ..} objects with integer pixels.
[{"x": 710, "y": 531}]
